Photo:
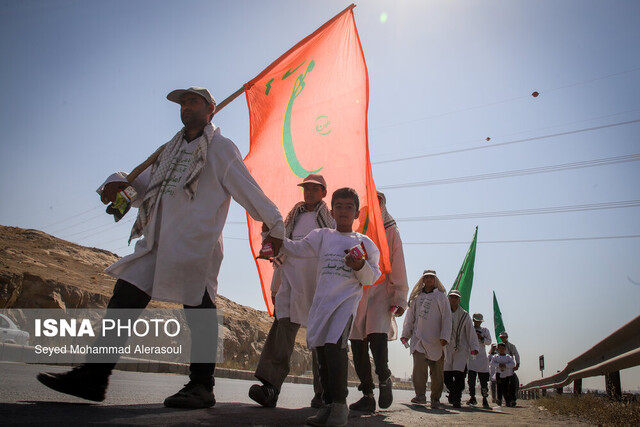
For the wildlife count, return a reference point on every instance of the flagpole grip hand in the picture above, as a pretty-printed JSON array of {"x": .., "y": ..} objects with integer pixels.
[{"x": 110, "y": 191}]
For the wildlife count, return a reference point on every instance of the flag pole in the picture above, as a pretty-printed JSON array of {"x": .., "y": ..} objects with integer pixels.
[{"x": 153, "y": 157}]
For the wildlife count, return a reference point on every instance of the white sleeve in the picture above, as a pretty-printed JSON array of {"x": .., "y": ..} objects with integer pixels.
[
  {"x": 510, "y": 363},
  {"x": 471, "y": 334},
  {"x": 516, "y": 355},
  {"x": 370, "y": 272},
  {"x": 246, "y": 191},
  {"x": 486, "y": 335},
  {"x": 409, "y": 320},
  {"x": 447, "y": 321},
  {"x": 308, "y": 247},
  {"x": 397, "y": 288}
]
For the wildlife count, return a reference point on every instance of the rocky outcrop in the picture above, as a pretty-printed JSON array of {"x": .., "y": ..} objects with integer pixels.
[
  {"x": 40, "y": 271},
  {"x": 29, "y": 291}
]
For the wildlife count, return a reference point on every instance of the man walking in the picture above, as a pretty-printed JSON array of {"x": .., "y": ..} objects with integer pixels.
[
  {"x": 462, "y": 343},
  {"x": 428, "y": 325},
  {"x": 183, "y": 202},
  {"x": 515, "y": 381},
  {"x": 479, "y": 364}
]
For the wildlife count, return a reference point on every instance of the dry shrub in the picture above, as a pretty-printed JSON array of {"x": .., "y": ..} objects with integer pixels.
[{"x": 594, "y": 409}]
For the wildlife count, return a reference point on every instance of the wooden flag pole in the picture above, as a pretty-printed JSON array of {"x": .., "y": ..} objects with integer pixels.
[{"x": 152, "y": 158}]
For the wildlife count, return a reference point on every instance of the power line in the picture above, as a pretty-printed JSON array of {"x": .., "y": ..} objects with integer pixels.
[
  {"x": 502, "y": 101},
  {"x": 517, "y": 141},
  {"x": 535, "y": 211},
  {"x": 71, "y": 217},
  {"x": 112, "y": 226},
  {"x": 77, "y": 223},
  {"x": 566, "y": 239},
  {"x": 591, "y": 80},
  {"x": 519, "y": 172}
]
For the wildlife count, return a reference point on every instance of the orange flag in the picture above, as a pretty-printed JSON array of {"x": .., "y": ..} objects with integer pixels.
[{"x": 308, "y": 114}]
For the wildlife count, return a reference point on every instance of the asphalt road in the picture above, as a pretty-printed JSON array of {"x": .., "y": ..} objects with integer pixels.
[{"x": 136, "y": 399}]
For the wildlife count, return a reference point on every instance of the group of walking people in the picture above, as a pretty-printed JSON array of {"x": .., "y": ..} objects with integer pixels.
[
  {"x": 449, "y": 344},
  {"x": 320, "y": 281}
]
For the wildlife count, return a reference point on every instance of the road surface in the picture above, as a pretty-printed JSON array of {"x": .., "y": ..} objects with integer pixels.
[{"x": 136, "y": 398}]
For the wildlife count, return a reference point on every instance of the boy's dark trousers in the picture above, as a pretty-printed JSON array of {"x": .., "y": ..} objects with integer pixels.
[
  {"x": 126, "y": 295},
  {"x": 484, "y": 383},
  {"x": 504, "y": 385},
  {"x": 380, "y": 352},
  {"x": 332, "y": 366},
  {"x": 514, "y": 386},
  {"x": 454, "y": 380}
]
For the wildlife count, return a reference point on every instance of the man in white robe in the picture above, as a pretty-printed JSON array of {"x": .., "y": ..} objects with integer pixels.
[
  {"x": 462, "y": 343},
  {"x": 512, "y": 350},
  {"x": 479, "y": 365},
  {"x": 428, "y": 325},
  {"x": 183, "y": 201}
]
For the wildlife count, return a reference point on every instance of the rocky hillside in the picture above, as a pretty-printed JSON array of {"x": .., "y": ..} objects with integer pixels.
[{"x": 40, "y": 271}]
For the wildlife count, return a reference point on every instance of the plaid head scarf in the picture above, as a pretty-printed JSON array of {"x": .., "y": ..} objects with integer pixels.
[{"x": 161, "y": 171}]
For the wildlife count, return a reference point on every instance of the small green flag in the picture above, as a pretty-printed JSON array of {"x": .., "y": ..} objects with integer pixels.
[
  {"x": 464, "y": 281},
  {"x": 497, "y": 318}
]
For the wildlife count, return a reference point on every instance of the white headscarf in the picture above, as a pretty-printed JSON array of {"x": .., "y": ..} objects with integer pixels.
[
  {"x": 420, "y": 285},
  {"x": 387, "y": 219}
]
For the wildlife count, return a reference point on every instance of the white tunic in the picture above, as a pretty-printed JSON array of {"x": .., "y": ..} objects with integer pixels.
[
  {"x": 480, "y": 363},
  {"x": 181, "y": 251},
  {"x": 339, "y": 288},
  {"x": 374, "y": 310},
  {"x": 296, "y": 277},
  {"x": 428, "y": 320},
  {"x": 463, "y": 340},
  {"x": 492, "y": 370},
  {"x": 507, "y": 360}
]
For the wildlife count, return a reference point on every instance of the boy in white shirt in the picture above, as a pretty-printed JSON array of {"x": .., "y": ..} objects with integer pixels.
[
  {"x": 503, "y": 365},
  {"x": 339, "y": 288}
]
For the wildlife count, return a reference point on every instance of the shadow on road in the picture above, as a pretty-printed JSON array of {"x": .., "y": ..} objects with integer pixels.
[
  {"x": 449, "y": 409},
  {"x": 223, "y": 414}
]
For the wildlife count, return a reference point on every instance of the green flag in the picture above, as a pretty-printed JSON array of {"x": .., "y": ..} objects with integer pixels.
[
  {"x": 497, "y": 318},
  {"x": 464, "y": 281}
]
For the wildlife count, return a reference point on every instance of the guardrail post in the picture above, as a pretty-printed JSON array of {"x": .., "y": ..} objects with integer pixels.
[
  {"x": 614, "y": 388},
  {"x": 577, "y": 386}
]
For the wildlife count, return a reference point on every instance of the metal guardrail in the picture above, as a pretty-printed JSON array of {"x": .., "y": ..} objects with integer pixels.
[{"x": 620, "y": 350}]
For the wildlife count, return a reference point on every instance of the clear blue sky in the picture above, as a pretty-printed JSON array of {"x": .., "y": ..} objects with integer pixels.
[{"x": 83, "y": 85}]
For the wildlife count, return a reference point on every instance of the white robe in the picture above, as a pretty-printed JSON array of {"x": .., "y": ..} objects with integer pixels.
[
  {"x": 463, "y": 340},
  {"x": 513, "y": 351},
  {"x": 374, "y": 310},
  {"x": 339, "y": 288},
  {"x": 479, "y": 362},
  {"x": 181, "y": 251},
  {"x": 428, "y": 320},
  {"x": 296, "y": 278},
  {"x": 506, "y": 360}
]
